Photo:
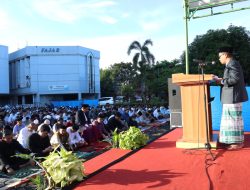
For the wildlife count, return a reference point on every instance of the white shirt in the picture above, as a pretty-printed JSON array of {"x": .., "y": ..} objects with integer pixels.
[
  {"x": 24, "y": 136},
  {"x": 74, "y": 137}
]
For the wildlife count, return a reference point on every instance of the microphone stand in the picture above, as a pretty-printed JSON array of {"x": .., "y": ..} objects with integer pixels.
[{"x": 207, "y": 144}]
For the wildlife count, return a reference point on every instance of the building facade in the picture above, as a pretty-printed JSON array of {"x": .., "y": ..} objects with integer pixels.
[
  {"x": 40, "y": 74},
  {"x": 4, "y": 75}
]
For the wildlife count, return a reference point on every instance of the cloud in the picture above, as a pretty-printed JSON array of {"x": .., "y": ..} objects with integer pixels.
[
  {"x": 108, "y": 19},
  {"x": 169, "y": 47},
  {"x": 154, "y": 20},
  {"x": 152, "y": 26},
  {"x": 69, "y": 11},
  {"x": 5, "y": 20},
  {"x": 100, "y": 4}
]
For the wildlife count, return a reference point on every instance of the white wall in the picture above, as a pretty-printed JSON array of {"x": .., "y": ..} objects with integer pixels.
[{"x": 4, "y": 70}]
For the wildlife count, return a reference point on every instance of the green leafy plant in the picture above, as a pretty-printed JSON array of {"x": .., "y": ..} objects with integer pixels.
[
  {"x": 61, "y": 168},
  {"x": 39, "y": 181},
  {"x": 130, "y": 139}
]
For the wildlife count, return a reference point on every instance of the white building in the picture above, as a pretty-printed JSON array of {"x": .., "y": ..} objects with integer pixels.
[
  {"x": 39, "y": 74},
  {"x": 4, "y": 70},
  {"x": 4, "y": 74}
]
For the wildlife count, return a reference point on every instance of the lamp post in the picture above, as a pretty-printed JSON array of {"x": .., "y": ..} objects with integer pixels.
[{"x": 186, "y": 17}]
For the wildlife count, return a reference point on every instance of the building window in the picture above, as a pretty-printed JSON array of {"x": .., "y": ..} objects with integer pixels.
[
  {"x": 28, "y": 99},
  {"x": 91, "y": 73}
]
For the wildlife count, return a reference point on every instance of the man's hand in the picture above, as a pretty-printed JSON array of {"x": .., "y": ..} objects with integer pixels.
[
  {"x": 217, "y": 79},
  {"x": 48, "y": 149},
  {"x": 10, "y": 171}
]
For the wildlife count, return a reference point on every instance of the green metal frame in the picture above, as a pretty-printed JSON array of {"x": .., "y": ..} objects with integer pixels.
[{"x": 188, "y": 14}]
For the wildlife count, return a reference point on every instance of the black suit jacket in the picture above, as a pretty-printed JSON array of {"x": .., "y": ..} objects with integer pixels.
[
  {"x": 81, "y": 119},
  {"x": 233, "y": 86}
]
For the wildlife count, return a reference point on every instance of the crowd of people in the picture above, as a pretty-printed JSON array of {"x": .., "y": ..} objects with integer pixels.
[{"x": 40, "y": 130}]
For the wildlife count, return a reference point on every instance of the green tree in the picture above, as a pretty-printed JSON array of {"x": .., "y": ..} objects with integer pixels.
[
  {"x": 142, "y": 60},
  {"x": 106, "y": 82},
  {"x": 205, "y": 47},
  {"x": 118, "y": 79},
  {"x": 122, "y": 75},
  {"x": 157, "y": 79}
]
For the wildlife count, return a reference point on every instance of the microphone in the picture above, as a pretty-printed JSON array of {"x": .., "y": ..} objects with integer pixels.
[{"x": 202, "y": 62}]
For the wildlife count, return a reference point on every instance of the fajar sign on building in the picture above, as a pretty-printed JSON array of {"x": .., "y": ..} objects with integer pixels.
[
  {"x": 50, "y": 50},
  {"x": 195, "y": 5},
  {"x": 57, "y": 87}
]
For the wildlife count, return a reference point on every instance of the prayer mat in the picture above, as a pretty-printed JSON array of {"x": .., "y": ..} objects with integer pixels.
[{"x": 20, "y": 176}]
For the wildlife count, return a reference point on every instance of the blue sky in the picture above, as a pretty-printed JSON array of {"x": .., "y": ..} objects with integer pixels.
[{"x": 108, "y": 25}]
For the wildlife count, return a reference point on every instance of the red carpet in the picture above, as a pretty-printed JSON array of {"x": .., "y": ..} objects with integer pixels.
[
  {"x": 160, "y": 165},
  {"x": 102, "y": 160}
]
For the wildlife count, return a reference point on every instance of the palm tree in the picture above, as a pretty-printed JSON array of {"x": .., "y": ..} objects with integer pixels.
[
  {"x": 143, "y": 56},
  {"x": 142, "y": 59}
]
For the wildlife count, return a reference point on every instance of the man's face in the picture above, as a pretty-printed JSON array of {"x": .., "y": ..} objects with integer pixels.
[
  {"x": 100, "y": 120},
  {"x": 43, "y": 134},
  {"x": 31, "y": 127},
  {"x": 223, "y": 58},
  {"x": 118, "y": 118},
  {"x": 85, "y": 109},
  {"x": 60, "y": 121},
  {"x": 8, "y": 138},
  {"x": 62, "y": 131},
  {"x": 19, "y": 122}
]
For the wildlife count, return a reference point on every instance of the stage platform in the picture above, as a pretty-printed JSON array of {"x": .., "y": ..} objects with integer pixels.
[{"x": 160, "y": 165}]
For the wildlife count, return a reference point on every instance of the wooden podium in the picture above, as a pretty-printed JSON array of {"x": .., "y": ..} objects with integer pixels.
[{"x": 193, "y": 110}]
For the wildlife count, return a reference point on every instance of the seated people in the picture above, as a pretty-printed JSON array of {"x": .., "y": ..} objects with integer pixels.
[
  {"x": 75, "y": 140},
  {"x": 39, "y": 143},
  {"x": 82, "y": 116},
  {"x": 8, "y": 148},
  {"x": 17, "y": 128},
  {"x": 156, "y": 113},
  {"x": 58, "y": 123},
  {"x": 47, "y": 122},
  {"x": 115, "y": 122},
  {"x": 61, "y": 138},
  {"x": 25, "y": 133},
  {"x": 1, "y": 132},
  {"x": 132, "y": 121},
  {"x": 141, "y": 120},
  {"x": 99, "y": 130},
  {"x": 87, "y": 133},
  {"x": 147, "y": 121}
]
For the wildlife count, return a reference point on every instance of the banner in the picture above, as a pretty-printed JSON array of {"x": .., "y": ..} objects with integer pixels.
[{"x": 205, "y": 4}]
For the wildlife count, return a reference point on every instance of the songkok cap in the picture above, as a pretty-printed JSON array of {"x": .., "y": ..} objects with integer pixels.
[
  {"x": 44, "y": 128},
  {"x": 226, "y": 49},
  {"x": 118, "y": 114},
  {"x": 75, "y": 127},
  {"x": 62, "y": 127},
  {"x": 7, "y": 127},
  {"x": 19, "y": 118},
  {"x": 85, "y": 106},
  {"x": 101, "y": 115},
  {"x": 60, "y": 119},
  {"x": 7, "y": 132}
]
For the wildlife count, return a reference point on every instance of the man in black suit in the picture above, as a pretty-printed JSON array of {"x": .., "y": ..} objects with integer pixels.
[
  {"x": 82, "y": 116},
  {"x": 83, "y": 120},
  {"x": 233, "y": 94}
]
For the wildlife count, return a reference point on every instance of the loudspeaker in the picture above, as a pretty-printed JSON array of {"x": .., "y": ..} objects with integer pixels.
[{"x": 174, "y": 96}]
